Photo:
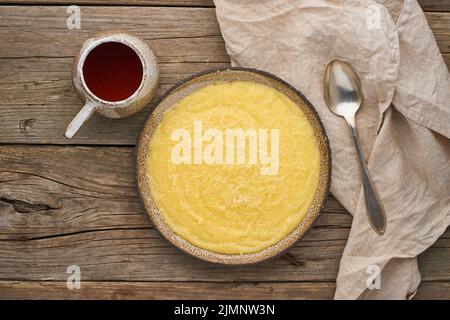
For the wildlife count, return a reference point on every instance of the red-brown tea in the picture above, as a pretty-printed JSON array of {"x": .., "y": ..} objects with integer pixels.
[{"x": 112, "y": 71}]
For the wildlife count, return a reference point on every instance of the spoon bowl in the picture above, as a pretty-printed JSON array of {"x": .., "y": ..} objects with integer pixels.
[{"x": 342, "y": 87}]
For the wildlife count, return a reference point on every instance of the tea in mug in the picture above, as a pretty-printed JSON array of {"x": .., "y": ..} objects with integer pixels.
[{"x": 112, "y": 71}]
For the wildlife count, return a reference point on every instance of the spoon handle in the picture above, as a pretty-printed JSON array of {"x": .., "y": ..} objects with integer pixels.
[{"x": 375, "y": 211}]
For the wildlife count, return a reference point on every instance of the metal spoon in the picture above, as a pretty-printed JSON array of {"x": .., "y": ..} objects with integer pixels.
[{"x": 343, "y": 95}]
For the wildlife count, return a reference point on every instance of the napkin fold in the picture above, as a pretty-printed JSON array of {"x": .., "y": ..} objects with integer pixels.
[{"x": 404, "y": 122}]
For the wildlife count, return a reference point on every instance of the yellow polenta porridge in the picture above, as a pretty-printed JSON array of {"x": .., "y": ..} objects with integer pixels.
[{"x": 233, "y": 167}]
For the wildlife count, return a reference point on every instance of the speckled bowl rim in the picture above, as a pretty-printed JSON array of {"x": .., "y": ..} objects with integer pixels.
[{"x": 185, "y": 87}]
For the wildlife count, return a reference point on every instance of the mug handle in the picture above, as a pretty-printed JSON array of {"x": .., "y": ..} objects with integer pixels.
[{"x": 82, "y": 116}]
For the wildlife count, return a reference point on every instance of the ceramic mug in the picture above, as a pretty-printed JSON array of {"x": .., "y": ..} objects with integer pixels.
[{"x": 103, "y": 87}]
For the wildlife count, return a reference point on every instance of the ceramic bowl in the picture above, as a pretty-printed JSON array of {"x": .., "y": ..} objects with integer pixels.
[{"x": 183, "y": 89}]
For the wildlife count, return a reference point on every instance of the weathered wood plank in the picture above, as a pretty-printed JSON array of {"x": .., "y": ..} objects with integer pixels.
[
  {"x": 50, "y": 191},
  {"x": 165, "y": 290},
  {"x": 36, "y": 107},
  {"x": 427, "y": 5},
  {"x": 42, "y": 31},
  {"x": 37, "y": 99},
  {"x": 191, "y": 290},
  {"x": 435, "y": 5},
  {"x": 433, "y": 291},
  {"x": 142, "y": 255},
  {"x": 78, "y": 205},
  {"x": 184, "y": 40},
  {"x": 90, "y": 218}
]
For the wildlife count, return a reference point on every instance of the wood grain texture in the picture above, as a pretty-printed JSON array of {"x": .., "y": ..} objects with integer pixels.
[
  {"x": 435, "y": 5},
  {"x": 191, "y": 290},
  {"x": 37, "y": 99},
  {"x": 78, "y": 205},
  {"x": 166, "y": 290},
  {"x": 63, "y": 205},
  {"x": 22, "y": 26},
  {"x": 427, "y": 5},
  {"x": 35, "y": 78}
]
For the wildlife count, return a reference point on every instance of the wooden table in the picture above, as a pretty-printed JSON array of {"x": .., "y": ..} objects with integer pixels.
[{"x": 74, "y": 202}]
